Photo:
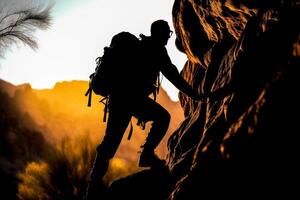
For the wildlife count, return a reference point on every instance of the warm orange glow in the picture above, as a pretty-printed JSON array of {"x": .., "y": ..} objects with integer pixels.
[
  {"x": 296, "y": 51},
  {"x": 71, "y": 133},
  {"x": 30, "y": 188},
  {"x": 62, "y": 112}
]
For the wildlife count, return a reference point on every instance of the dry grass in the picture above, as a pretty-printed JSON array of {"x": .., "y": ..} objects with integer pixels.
[{"x": 64, "y": 173}]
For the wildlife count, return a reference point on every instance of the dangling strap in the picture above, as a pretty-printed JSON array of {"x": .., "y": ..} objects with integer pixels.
[
  {"x": 141, "y": 123},
  {"x": 89, "y": 92},
  {"x": 159, "y": 81},
  {"x": 105, "y": 101},
  {"x": 130, "y": 131},
  {"x": 156, "y": 91}
]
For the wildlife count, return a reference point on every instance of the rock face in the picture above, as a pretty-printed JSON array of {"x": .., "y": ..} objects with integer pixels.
[
  {"x": 149, "y": 184},
  {"x": 242, "y": 142}
]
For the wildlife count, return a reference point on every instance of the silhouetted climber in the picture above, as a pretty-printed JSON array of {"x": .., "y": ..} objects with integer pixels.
[{"x": 131, "y": 98}]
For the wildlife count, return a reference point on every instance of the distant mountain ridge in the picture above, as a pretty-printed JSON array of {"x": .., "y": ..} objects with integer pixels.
[
  {"x": 10, "y": 88},
  {"x": 62, "y": 111}
]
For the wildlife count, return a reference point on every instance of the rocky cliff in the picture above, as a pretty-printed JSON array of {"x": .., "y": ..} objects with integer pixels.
[{"x": 241, "y": 142}]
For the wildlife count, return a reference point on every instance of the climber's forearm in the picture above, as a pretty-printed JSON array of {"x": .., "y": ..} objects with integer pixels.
[{"x": 178, "y": 81}]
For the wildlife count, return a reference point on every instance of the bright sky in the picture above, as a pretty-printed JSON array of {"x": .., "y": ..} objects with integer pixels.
[{"x": 80, "y": 29}]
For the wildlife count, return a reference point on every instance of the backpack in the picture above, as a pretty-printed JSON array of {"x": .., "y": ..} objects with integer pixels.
[
  {"x": 124, "y": 45},
  {"x": 101, "y": 81},
  {"x": 124, "y": 48}
]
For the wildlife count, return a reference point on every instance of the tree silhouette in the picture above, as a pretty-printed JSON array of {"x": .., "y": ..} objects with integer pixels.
[{"x": 16, "y": 26}]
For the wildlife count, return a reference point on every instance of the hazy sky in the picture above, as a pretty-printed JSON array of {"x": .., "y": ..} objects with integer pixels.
[{"x": 80, "y": 29}]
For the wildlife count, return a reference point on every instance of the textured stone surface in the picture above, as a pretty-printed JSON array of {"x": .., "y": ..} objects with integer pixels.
[{"x": 243, "y": 140}]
